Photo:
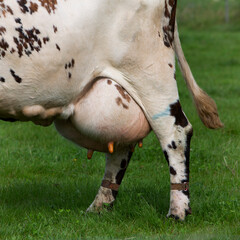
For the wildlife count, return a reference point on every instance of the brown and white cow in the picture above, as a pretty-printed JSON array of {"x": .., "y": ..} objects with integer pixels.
[{"x": 104, "y": 72}]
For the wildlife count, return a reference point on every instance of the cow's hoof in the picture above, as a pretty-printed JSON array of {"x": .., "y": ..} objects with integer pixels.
[
  {"x": 173, "y": 216},
  {"x": 188, "y": 211},
  {"x": 107, "y": 206},
  {"x": 179, "y": 216},
  {"x": 99, "y": 209},
  {"x": 93, "y": 209}
]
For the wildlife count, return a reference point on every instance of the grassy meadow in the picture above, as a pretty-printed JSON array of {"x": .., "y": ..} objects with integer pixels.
[{"x": 47, "y": 183}]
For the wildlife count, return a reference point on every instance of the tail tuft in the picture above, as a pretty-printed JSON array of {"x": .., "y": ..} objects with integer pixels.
[
  {"x": 207, "y": 110},
  {"x": 206, "y": 107}
]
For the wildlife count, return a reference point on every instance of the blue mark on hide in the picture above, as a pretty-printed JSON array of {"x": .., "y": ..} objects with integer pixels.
[{"x": 162, "y": 114}]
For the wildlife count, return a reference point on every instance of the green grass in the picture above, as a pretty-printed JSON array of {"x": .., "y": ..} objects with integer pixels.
[
  {"x": 202, "y": 14},
  {"x": 44, "y": 192}
]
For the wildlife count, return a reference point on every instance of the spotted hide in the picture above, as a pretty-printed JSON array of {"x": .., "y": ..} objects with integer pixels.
[{"x": 104, "y": 72}]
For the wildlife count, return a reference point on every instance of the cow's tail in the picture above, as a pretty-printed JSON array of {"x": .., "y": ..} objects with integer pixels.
[{"x": 206, "y": 107}]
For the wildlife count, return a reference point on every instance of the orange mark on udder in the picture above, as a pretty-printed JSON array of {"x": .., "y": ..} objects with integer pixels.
[
  {"x": 111, "y": 147},
  {"x": 89, "y": 154},
  {"x": 140, "y": 144}
]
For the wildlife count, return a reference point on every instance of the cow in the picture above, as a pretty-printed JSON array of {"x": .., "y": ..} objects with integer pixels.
[{"x": 103, "y": 71}]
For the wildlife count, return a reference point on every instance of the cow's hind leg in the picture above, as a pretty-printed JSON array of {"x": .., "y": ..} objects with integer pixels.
[
  {"x": 116, "y": 165},
  {"x": 175, "y": 141}
]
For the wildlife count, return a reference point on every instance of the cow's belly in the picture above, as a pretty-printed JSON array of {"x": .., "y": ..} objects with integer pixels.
[
  {"x": 51, "y": 56},
  {"x": 107, "y": 113}
]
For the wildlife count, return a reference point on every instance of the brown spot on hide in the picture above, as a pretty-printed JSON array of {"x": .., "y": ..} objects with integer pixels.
[
  {"x": 120, "y": 102},
  {"x": 73, "y": 62},
  {"x": 23, "y": 5},
  {"x": 3, "y": 44},
  {"x": 176, "y": 111},
  {"x": 109, "y": 82},
  {"x": 45, "y": 40},
  {"x": 9, "y": 10},
  {"x": 18, "y": 20},
  {"x": 4, "y": 9},
  {"x": 58, "y": 48},
  {"x": 172, "y": 171},
  {"x": 168, "y": 30},
  {"x": 166, "y": 12},
  {"x": 19, "y": 46},
  {"x": 33, "y": 7},
  {"x": 70, "y": 64},
  {"x": 166, "y": 156},
  {"x": 3, "y": 48},
  {"x": 12, "y": 50},
  {"x": 55, "y": 29},
  {"x": 121, "y": 173},
  {"x": 125, "y": 106},
  {"x": 170, "y": 65},
  {"x": 165, "y": 39},
  {"x": 174, "y": 145},
  {"x": 49, "y": 5},
  {"x": 123, "y": 93},
  {"x": 2, "y": 30},
  {"x": 27, "y": 41},
  {"x": 187, "y": 153},
  {"x": 16, "y": 77},
  {"x": 172, "y": 2}
]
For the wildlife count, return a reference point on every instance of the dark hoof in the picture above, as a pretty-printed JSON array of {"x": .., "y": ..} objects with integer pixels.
[
  {"x": 108, "y": 206},
  {"x": 188, "y": 212},
  {"x": 173, "y": 217}
]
